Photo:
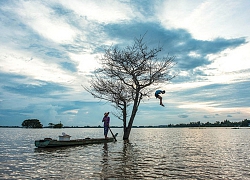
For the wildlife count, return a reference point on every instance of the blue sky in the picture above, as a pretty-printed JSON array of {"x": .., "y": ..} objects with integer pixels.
[{"x": 50, "y": 48}]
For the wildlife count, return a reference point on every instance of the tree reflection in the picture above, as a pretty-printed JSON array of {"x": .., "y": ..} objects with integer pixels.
[
  {"x": 129, "y": 163},
  {"x": 121, "y": 164}
]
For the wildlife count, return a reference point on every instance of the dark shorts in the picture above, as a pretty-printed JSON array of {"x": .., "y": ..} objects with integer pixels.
[
  {"x": 106, "y": 129},
  {"x": 156, "y": 95}
]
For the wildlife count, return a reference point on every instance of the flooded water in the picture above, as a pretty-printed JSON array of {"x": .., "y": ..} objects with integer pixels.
[{"x": 174, "y": 153}]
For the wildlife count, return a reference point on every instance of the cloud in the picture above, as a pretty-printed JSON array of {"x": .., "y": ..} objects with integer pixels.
[
  {"x": 69, "y": 66},
  {"x": 190, "y": 53},
  {"x": 205, "y": 19},
  {"x": 50, "y": 48},
  {"x": 183, "y": 116},
  {"x": 59, "y": 30},
  {"x": 44, "y": 89},
  {"x": 102, "y": 12},
  {"x": 208, "y": 116}
]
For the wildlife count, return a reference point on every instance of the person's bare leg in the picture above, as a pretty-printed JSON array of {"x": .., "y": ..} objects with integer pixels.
[{"x": 160, "y": 100}]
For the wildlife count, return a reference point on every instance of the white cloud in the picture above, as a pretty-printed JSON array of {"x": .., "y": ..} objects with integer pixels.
[
  {"x": 211, "y": 108},
  {"x": 232, "y": 60},
  {"x": 73, "y": 111},
  {"x": 41, "y": 19},
  {"x": 19, "y": 62},
  {"x": 86, "y": 62},
  {"x": 207, "y": 19},
  {"x": 109, "y": 11}
]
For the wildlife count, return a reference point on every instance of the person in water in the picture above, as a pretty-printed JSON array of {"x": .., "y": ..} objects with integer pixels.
[
  {"x": 157, "y": 95},
  {"x": 106, "y": 120}
]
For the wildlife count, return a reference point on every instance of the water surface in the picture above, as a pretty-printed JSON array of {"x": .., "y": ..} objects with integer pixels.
[{"x": 157, "y": 153}]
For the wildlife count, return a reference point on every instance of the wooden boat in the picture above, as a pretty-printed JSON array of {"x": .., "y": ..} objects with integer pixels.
[{"x": 48, "y": 142}]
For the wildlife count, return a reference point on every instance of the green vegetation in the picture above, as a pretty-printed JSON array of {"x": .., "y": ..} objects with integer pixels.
[
  {"x": 225, "y": 123},
  {"x": 59, "y": 125},
  {"x": 32, "y": 123},
  {"x": 35, "y": 123}
]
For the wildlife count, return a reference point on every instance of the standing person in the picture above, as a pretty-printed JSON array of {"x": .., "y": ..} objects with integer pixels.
[
  {"x": 157, "y": 95},
  {"x": 106, "y": 120}
]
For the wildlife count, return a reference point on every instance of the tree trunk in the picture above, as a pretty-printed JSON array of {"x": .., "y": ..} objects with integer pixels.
[
  {"x": 126, "y": 133},
  {"x": 128, "y": 129},
  {"x": 132, "y": 117},
  {"x": 124, "y": 118}
]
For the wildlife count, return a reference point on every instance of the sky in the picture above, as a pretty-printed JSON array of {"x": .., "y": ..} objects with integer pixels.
[{"x": 50, "y": 48}]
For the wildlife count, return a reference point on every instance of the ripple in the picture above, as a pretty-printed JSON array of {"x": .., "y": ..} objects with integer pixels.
[{"x": 150, "y": 154}]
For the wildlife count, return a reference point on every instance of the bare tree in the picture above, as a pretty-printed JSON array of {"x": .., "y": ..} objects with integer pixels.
[{"x": 126, "y": 76}]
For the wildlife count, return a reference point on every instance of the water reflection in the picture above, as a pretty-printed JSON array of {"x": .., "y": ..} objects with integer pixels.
[
  {"x": 186, "y": 154},
  {"x": 150, "y": 154},
  {"x": 105, "y": 162},
  {"x": 51, "y": 150},
  {"x": 128, "y": 160},
  {"x": 120, "y": 164}
]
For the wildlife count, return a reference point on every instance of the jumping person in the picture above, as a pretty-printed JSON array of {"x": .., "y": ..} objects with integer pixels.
[
  {"x": 106, "y": 120},
  {"x": 157, "y": 95}
]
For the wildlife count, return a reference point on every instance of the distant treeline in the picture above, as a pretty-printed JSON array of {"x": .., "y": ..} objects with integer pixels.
[
  {"x": 35, "y": 123},
  {"x": 225, "y": 123}
]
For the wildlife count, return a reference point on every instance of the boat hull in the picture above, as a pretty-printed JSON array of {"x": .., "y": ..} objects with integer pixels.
[{"x": 47, "y": 142}]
